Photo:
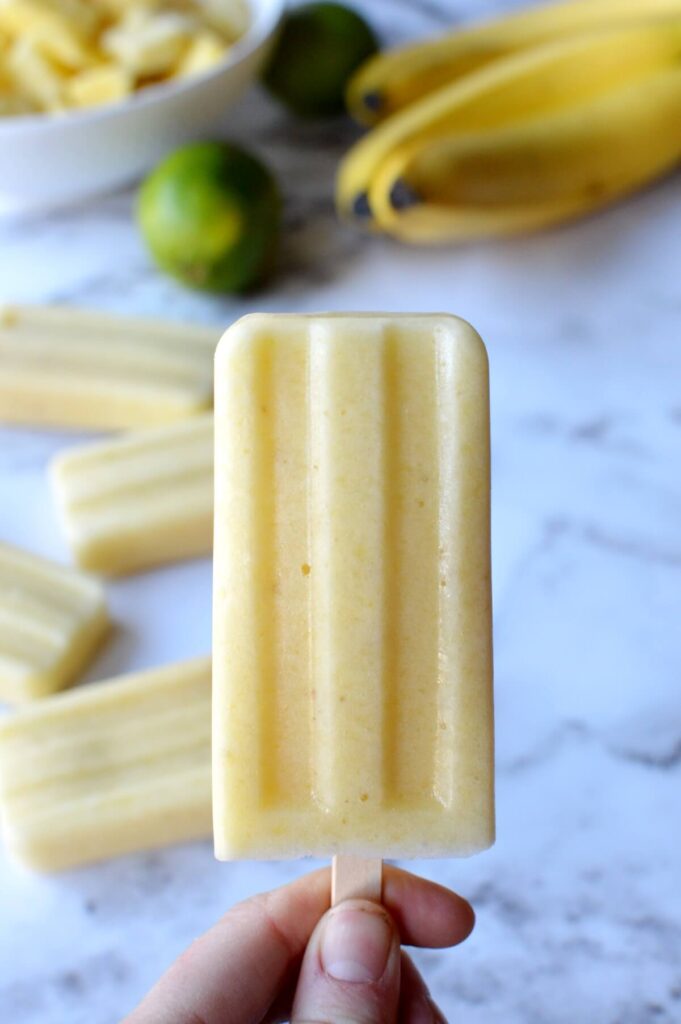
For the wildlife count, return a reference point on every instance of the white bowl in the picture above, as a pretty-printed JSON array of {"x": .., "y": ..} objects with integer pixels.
[{"x": 52, "y": 160}]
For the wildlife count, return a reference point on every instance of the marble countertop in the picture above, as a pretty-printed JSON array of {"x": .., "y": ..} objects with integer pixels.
[{"x": 579, "y": 903}]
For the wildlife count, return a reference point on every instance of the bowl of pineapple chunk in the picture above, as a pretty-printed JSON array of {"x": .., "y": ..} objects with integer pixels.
[{"x": 93, "y": 92}]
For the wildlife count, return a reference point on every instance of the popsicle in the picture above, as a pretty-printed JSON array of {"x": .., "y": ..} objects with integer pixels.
[
  {"x": 140, "y": 499},
  {"x": 74, "y": 368},
  {"x": 107, "y": 769},
  {"x": 352, "y": 664},
  {"x": 52, "y": 620}
]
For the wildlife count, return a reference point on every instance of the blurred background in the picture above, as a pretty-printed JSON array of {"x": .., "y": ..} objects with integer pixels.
[{"x": 578, "y": 904}]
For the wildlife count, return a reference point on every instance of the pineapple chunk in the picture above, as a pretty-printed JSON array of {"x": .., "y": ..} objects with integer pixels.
[
  {"x": 205, "y": 51},
  {"x": 106, "y": 83},
  {"x": 34, "y": 75},
  {"x": 116, "y": 9},
  {"x": 65, "y": 54},
  {"x": 148, "y": 45},
  {"x": 231, "y": 19},
  {"x": 61, "y": 31}
]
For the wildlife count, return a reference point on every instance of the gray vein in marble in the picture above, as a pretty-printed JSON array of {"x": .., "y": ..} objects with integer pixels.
[
  {"x": 600, "y": 432},
  {"x": 550, "y": 746},
  {"x": 88, "y": 288},
  {"x": 557, "y": 527},
  {"x": 662, "y": 761},
  {"x": 592, "y": 430},
  {"x": 65, "y": 223},
  {"x": 515, "y": 912},
  {"x": 630, "y": 547}
]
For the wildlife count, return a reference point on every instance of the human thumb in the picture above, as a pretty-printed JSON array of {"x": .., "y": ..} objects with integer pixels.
[{"x": 351, "y": 968}]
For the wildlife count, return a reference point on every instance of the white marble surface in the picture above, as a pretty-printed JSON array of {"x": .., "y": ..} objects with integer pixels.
[{"x": 579, "y": 903}]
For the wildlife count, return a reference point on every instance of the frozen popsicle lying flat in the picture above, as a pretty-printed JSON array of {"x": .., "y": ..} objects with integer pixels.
[
  {"x": 352, "y": 671},
  {"x": 74, "y": 368},
  {"x": 51, "y": 621},
  {"x": 109, "y": 768},
  {"x": 140, "y": 499}
]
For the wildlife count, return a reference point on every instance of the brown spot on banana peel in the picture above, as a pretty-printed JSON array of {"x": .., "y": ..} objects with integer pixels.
[
  {"x": 402, "y": 195},
  {"x": 373, "y": 101},
  {"x": 360, "y": 207}
]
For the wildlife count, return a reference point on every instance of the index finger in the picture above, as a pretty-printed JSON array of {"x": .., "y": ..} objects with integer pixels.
[{"x": 233, "y": 973}]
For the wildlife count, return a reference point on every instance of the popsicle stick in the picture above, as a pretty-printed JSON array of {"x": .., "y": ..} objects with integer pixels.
[{"x": 356, "y": 878}]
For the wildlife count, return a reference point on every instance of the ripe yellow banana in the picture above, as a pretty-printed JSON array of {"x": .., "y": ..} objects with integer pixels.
[
  {"x": 536, "y": 83},
  {"x": 534, "y": 174},
  {"x": 392, "y": 80}
]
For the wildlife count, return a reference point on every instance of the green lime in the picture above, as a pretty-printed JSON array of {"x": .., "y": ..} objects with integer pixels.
[
  {"x": 209, "y": 214},
  {"x": 319, "y": 47}
]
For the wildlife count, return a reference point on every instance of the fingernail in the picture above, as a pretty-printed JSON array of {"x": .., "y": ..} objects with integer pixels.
[{"x": 356, "y": 944}]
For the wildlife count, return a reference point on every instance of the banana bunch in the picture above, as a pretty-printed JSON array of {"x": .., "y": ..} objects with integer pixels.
[{"x": 516, "y": 124}]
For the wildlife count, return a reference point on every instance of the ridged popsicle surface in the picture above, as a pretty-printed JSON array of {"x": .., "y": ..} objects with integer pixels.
[
  {"x": 352, "y": 619},
  {"x": 140, "y": 500},
  {"x": 51, "y": 621},
  {"x": 75, "y": 368},
  {"x": 113, "y": 767}
]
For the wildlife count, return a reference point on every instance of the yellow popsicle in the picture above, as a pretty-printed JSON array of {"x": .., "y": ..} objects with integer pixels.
[
  {"x": 352, "y": 678},
  {"x": 140, "y": 499},
  {"x": 75, "y": 368},
  {"x": 52, "y": 620},
  {"x": 109, "y": 768}
]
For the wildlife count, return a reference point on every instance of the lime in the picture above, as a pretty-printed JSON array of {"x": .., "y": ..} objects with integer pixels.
[
  {"x": 209, "y": 214},
  {"x": 319, "y": 47}
]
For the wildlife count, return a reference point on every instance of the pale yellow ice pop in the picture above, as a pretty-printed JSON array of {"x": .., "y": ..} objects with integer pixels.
[
  {"x": 140, "y": 499},
  {"x": 74, "y": 368},
  {"x": 352, "y": 685},
  {"x": 52, "y": 620},
  {"x": 109, "y": 768}
]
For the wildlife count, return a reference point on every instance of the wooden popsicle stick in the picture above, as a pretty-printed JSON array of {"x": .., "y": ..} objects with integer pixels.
[{"x": 356, "y": 878}]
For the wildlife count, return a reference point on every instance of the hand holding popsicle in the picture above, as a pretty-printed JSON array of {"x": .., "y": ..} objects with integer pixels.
[{"x": 284, "y": 955}]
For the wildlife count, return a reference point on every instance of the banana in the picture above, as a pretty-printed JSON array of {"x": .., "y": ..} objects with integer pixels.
[
  {"x": 540, "y": 82},
  {"x": 392, "y": 80},
  {"x": 538, "y": 173}
]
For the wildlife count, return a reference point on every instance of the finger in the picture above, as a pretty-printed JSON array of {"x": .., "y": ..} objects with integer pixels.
[
  {"x": 425, "y": 913},
  {"x": 233, "y": 973},
  {"x": 416, "y": 1006},
  {"x": 351, "y": 968}
]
